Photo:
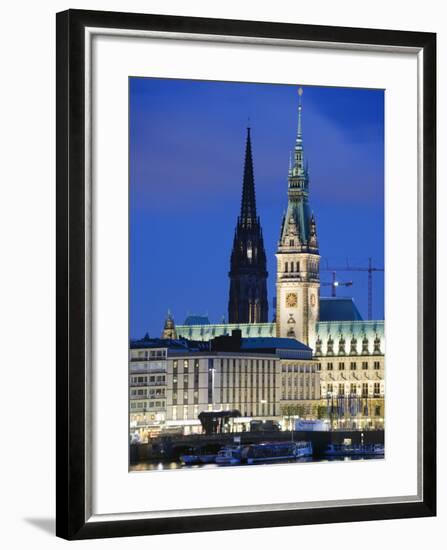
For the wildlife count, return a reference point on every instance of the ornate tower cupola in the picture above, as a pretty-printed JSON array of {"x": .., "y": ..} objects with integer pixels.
[
  {"x": 169, "y": 331},
  {"x": 298, "y": 259},
  {"x": 248, "y": 272}
]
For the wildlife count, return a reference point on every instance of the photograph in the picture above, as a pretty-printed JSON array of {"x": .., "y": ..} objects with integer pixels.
[
  {"x": 245, "y": 274},
  {"x": 256, "y": 274}
]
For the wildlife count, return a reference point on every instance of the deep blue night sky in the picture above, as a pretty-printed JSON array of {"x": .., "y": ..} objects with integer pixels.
[{"x": 187, "y": 142}]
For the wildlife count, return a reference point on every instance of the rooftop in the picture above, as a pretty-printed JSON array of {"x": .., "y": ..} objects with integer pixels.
[
  {"x": 339, "y": 309},
  {"x": 180, "y": 344},
  {"x": 197, "y": 320},
  {"x": 270, "y": 343}
]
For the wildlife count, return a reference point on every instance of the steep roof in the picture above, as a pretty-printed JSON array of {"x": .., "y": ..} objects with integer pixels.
[
  {"x": 339, "y": 309},
  {"x": 196, "y": 320},
  {"x": 269, "y": 343}
]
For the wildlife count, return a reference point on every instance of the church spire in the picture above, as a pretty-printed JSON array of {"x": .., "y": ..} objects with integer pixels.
[
  {"x": 248, "y": 217},
  {"x": 299, "y": 135},
  {"x": 298, "y": 168},
  {"x": 248, "y": 266}
]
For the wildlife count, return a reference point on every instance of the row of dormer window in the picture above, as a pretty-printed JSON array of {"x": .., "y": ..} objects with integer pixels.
[{"x": 352, "y": 365}]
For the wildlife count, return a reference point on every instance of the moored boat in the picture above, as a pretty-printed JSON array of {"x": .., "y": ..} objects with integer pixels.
[
  {"x": 190, "y": 459},
  {"x": 276, "y": 451},
  {"x": 229, "y": 456},
  {"x": 303, "y": 449},
  {"x": 207, "y": 458},
  {"x": 342, "y": 449}
]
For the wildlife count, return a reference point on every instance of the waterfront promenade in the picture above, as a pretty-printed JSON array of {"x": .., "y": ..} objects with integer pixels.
[{"x": 170, "y": 447}]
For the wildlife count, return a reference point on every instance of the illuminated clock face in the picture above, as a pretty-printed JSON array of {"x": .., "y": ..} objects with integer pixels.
[
  {"x": 312, "y": 300},
  {"x": 291, "y": 299}
]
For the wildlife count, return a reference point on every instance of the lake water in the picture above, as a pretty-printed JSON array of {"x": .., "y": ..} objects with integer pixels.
[{"x": 176, "y": 465}]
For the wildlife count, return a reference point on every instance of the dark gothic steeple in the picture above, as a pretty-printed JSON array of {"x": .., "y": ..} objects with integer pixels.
[
  {"x": 248, "y": 215},
  {"x": 248, "y": 274}
]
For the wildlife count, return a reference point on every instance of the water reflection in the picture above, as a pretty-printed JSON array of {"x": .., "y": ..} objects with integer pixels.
[{"x": 176, "y": 465}]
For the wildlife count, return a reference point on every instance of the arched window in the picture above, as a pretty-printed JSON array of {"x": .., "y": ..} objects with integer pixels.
[
  {"x": 286, "y": 267},
  {"x": 292, "y": 242}
]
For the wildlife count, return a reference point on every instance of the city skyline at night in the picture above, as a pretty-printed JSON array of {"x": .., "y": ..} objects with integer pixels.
[{"x": 187, "y": 141}]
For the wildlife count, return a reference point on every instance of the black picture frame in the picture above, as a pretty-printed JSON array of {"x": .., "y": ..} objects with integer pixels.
[{"x": 71, "y": 492}]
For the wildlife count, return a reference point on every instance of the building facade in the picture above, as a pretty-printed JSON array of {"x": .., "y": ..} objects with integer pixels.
[
  {"x": 147, "y": 390},
  {"x": 215, "y": 381},
  {"x": 349, "y": 355},
  {"x": 261, "y": 377},
  {"x": 351, "y": 361},
  {"x": 248, "y": 301}
]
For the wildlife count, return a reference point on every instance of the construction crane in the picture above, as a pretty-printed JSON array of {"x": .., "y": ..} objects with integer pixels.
[
  {"x": 334, "y": 284},
  {"x": 370, "y": 268}
]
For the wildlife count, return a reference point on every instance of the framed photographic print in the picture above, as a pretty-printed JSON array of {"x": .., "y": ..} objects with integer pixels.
[{"x": 246, "y": 308}]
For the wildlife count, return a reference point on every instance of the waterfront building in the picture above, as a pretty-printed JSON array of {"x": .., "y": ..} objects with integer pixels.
[
  {"x": 147, "y": 388},
  {"x": 218, "y": 381},
  {"x": 171, "y": 385},
  {"x": 350, "y": 356},
  {"x": 248, "y": 301}
]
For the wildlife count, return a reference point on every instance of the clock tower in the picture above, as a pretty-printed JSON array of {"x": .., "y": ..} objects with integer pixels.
[{"x": 298, "y": 258}]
